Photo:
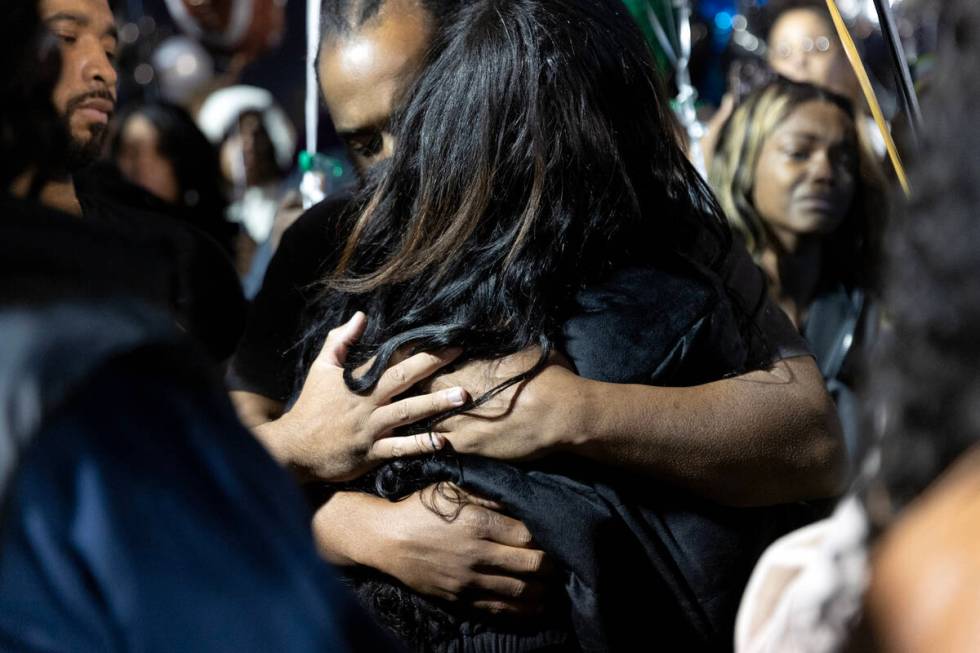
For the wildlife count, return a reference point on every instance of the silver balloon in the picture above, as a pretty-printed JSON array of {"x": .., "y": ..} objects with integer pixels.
[
  {"x": 862, "y": 9},
  {"x": 183, "y": 68}
]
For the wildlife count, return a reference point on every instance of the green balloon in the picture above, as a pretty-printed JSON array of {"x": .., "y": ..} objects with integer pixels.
[{"x": 638, "y": 9}]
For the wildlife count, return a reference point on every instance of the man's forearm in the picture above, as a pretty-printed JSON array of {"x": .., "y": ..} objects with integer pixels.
[{"x": 761, "y": 438}]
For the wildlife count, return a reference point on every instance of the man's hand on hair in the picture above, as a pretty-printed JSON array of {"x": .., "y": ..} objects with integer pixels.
[{"x": 333, "y": 434}]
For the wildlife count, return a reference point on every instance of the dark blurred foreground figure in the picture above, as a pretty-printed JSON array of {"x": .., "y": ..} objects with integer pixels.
[
  {"x": 925, "y": 569},
  {"x": 136, "y": 513},
  {"x": 185, "y": 272}
]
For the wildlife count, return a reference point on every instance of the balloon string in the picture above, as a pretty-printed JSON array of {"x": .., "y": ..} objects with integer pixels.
[
  {"x": 312, "y": 92},
  {"x": 661, "y": 34},
  {"x": 869, "y": 94}
]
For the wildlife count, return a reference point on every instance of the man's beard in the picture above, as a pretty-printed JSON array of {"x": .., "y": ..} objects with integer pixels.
[{"x": 84, "y": 153}]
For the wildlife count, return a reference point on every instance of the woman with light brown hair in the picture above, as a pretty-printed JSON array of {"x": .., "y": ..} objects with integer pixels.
[{"x": 800, "y": 184}]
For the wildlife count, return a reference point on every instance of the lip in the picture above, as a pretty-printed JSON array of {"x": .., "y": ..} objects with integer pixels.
[
  {"x": 96, "y": 110},
  {"x": 823, "y": 203}
]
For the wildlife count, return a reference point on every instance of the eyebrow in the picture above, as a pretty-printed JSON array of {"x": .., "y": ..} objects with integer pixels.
[
  {"x": 809, "y": 137},
  {"x": 803, "y": 135},
  {"x": 81, "y": 21}
]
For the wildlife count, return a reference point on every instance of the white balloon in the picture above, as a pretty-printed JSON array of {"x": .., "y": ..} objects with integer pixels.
[{"x": 183, "y": 68}]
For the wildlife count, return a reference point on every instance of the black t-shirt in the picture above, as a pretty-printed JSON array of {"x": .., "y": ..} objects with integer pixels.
[
  {"x": 268, "y": 358},
  {"x": 749, "y": 287},
  {"x": 46, "y": 254},
  {"x": 193, "y": 272}
]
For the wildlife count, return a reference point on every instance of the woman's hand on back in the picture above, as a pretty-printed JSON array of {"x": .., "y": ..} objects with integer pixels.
[
  {"x": 440, "y": 542},
  {"x": 334, "y": 434}
]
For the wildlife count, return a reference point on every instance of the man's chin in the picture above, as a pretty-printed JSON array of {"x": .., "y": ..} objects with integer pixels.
[{"x": 85, "y": 149}]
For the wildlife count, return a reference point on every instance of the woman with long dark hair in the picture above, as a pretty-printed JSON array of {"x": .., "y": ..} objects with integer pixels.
[
  {"x": 538, "y": 197},
  {"x": 158, "y": 147}
]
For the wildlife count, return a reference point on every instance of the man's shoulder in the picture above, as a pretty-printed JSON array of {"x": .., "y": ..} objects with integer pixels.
[
  {"x": 307, "y": 249},
  {"x": 113, "y": 202},
  {"x": 320, "y": 223},
  {"x": 268, "y": 354},
  {"x": 103, "y": 182}
]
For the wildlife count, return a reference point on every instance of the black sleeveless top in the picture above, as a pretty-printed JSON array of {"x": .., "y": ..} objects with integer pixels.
[{"x": 642, "y": 564}]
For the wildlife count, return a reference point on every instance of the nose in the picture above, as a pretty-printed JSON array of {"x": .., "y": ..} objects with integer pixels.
[
  {"x": 801, "y": 62},
  {"x": 98, "y": 68},
  {"x": 821, "y": 168}
]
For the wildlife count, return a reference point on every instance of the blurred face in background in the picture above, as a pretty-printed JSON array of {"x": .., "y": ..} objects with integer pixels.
[
  {"x": 248, "y": 156},
  {"x": 804, "y": 47},
  {"x": 364, "y": 74},
  {"x": 85, "y": 94},
  {"x": 141, "y": 162},
  {"x": 806, "y": 174}
]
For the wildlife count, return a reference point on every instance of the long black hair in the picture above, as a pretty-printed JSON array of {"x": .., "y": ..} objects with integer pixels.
[
  {"x": 32, "y": 135},
  {"x": 535, "y": 153},
  {"x": 180, "y": 141}
]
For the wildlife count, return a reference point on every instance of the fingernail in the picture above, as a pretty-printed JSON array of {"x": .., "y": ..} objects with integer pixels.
[
  {"x": 457, "y": 396},
  {"x": 438, "y": 442}
]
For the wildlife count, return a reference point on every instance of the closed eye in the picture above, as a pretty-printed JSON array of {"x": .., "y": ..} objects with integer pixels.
[{"x": 366, "y": 145}]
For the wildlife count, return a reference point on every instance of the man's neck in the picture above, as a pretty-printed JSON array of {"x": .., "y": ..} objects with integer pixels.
[
  {"x": 61, "y": 195},
  {"x": 56, "y": 194}
]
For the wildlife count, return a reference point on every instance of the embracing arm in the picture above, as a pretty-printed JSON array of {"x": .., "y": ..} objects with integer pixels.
[
  {"x": 332, "y": 434},
  {"x": 481, "y": 558},
  {"x": 770, "y": 436},
  {"x": 765, "y": 437}
]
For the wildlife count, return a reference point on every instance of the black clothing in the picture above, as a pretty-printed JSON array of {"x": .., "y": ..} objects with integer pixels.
[
  {"x": 104, "y": 178},
  {"x": 141, "y": 515},
  {"x": 46, "y": 254},
  {"x": 202, "y": 287},
  {"x": 749, "y": 286},
  {"x": 644, "y": 565},
  {"x": 268, "y": 356},
  {"x": 840, "y": 325},
  {"x": 136, "y": 513}
]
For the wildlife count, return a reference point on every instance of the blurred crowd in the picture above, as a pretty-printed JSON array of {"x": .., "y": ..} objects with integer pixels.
[{"x": 549, "y": 368}]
